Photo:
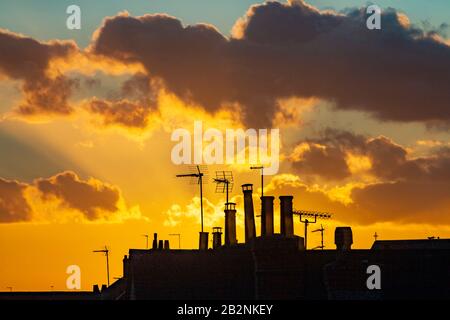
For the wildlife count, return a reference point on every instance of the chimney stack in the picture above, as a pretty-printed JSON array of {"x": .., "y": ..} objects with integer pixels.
[
  {"x": 160, "y": 244},
  {"x": 343, "y": 238},
  {"x": 125, "y": 266},
  {"x": 230, "y": 224},
  {"x": 286, "y": 216},
  {"x": 267, "y": 216},
  {"x": 155, "y": 241},
  {"x": 250, "y": 232},
  {"x": 217, "y": 237},
  {"x": 166, "y": 245},
  {"x": 203, "y": 241}
]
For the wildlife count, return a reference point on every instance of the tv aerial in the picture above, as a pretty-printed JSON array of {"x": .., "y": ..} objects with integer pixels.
[
  {"x": 197, "y": 175},
  {"x": 306, "y": 217},
  {"x": 224, "y": 182},
  {"x": 146, "y": 240},
  {"x": 321, "y": 230},
  {"x": 262, "y": 183},
  {"x": 106, "y": 252}
]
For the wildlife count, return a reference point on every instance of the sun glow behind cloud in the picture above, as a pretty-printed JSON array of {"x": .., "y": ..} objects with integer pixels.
[{"x": 131, "y": 152}]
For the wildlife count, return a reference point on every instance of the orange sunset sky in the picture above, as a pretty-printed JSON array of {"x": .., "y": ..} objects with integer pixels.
[{"x": 86, "y": 118}]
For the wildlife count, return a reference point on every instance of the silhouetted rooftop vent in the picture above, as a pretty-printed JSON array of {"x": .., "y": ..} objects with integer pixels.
[{"x": 343, "y": 238}]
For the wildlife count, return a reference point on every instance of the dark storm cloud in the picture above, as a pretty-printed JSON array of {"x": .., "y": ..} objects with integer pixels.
[
  {"x": 390, "y": 161},
  {"x": 131, "y": 107},
  {"x": 92, "y": 198},
  {"x": 87, "y": 197},
  {"x": 185, "y": 58},
  {"x": 282, "y": 50},
  {"x": 140, "y": 88},
  {"x": 47, "y": 96},
  {"x": 407, "y": 189},
  {"x": 13, "y": 205},
  {"x": 123, "y": 112},
  {"x": 415, "y": 190},
  {"x": 326, "y": 162},
  {"x": 423, "y": 201},
  {"x": 326, "y": 157},
  {"x": 26, "y": 59}
]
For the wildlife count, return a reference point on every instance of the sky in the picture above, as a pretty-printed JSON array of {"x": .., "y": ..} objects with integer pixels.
[{"x": 86, "y": 119}]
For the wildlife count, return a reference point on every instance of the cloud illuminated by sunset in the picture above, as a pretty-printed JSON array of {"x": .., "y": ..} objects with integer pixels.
[{"x": 86, "y": 119}]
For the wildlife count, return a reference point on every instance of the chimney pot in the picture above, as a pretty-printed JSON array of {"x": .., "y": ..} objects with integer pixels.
[
  {"x": 230, "y": 206},
  {"x": 267, "y": 216},
  {"x": 250, "y": 232},
  {"x": 247, "y": 187},
  {"x": 286, "y": 216},
  {"x": 203, "y": 241},
  {"x": 166, "y": 245},
  {"x": 155, "y": 241},
  {"x": 217, "y": 237},
  {"x": 343, "y": 238},
  {"x": 230, "y": 224}
]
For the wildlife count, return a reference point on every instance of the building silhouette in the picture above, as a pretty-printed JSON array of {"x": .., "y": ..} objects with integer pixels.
[{"x": 274, "y": 266}]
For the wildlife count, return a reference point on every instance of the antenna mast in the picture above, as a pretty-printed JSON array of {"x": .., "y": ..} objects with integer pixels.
[
  {"x": 262, "y": 177},
  {"x": 199, "y": 175},
  {"x": 106, "y": 252},
  {"x": 146, "y": 240},
  {"x": 262, "y": 182},
  {"x": 224, "y": 182},
  {"x": 305, "y": 217},
  {"x": 321, "y": 230}
]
